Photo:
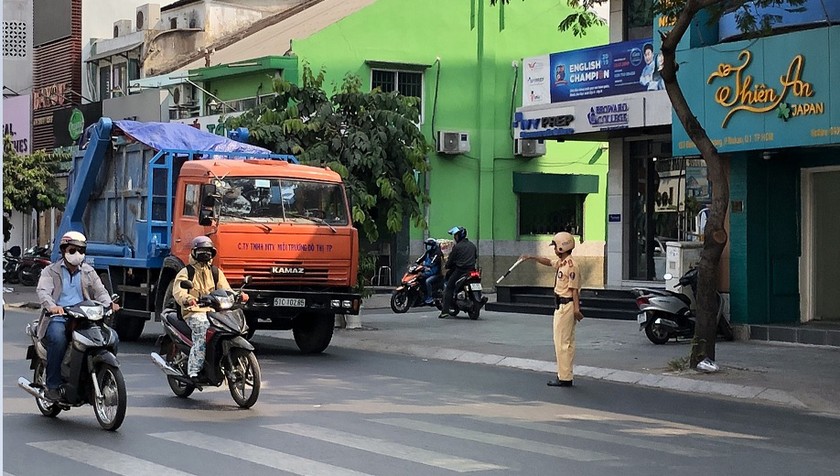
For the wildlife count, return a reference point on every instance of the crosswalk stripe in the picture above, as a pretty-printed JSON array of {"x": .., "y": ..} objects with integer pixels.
[
  {"x": 530, "y": 446},
  {"x": 386, "y": 448},
  {"x": 256, "y": 454},
  {"x": 654, "y": 445},
  {"x": 105, "y": 459}
]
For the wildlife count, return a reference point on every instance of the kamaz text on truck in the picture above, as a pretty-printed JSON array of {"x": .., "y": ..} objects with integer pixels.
[{"x": 142, "y": 191}]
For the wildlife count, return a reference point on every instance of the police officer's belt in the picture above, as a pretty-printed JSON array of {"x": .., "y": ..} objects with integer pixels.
[{"x": 559, "y": 300}]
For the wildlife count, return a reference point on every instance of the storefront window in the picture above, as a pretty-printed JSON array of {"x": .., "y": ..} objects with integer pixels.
[
  {"x": 548, "y": 213},
  {"x": 667, "y": 196}
]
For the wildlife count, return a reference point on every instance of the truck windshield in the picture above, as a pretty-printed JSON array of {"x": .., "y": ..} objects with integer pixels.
[{"x": 270, "y": 200}]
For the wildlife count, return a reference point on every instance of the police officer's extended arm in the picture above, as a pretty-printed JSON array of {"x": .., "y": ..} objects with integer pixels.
[{"x": 538, "y": 259}]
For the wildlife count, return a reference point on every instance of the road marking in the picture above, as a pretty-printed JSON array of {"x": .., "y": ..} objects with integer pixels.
[
  {"x": 256, "y": 454},
  {"x": 530, "y": 446},
  {"x": 653, "y": 445},
  {"x": 385, "y": 448},
  {"x": 105, "y": 459}
]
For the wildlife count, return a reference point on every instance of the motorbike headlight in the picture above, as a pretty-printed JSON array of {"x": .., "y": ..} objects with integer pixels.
[
  {"x": 225, "y": 302},
  {"x": 93, "y": 313}
]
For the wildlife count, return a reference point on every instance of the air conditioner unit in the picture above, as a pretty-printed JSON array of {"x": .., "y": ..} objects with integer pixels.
[
  {"x": 183, "y": 95},
  {"x": 148, "y": 16},
  {"x": 453, "y": 142},
  {"x": 529, "y": 147},
  {"x": 122, "y": 28}
]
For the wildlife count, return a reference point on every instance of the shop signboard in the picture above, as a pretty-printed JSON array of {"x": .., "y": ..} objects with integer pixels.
[
  {"x": 580, "y": 117},
  {"x": 17, "y": 122},
  {"x": 763, "y": 94},
  {"x": 70, "y": 123},
  {"x": 610, "y": 70}
]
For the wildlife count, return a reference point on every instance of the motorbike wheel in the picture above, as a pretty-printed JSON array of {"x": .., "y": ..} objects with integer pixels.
[
  {"x": 656, "y": 333},
  {"x": 110, "y": 409},
  {"x": 46, "y": 407},
  {"x": 11, "y": 276},
  {"x": 475, "y": 311},
  {"x": 313, "y": 332},
  {"x": 400, "y": 301},
  {"x": 179, "y": 388},
  {"x": 28, "y": 275},
  {"x": 244, "y": 378}
]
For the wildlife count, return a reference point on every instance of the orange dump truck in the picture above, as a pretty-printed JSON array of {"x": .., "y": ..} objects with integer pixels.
[{"x": 143, "y": 191}]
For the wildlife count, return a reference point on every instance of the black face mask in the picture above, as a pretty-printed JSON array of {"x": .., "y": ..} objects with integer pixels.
[{"x": 203, "y": 256}]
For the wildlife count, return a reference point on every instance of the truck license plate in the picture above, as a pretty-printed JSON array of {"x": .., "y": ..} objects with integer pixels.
[
  {"x": 289, "y": 302},
  {"x": 642, "y": 317},
  {"x": 475, "y": 286}
]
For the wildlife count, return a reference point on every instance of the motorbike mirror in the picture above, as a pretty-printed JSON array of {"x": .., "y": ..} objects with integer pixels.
[
  {"x": 668, "y": 276},
  {"x": 186, "y": 284},
  {"x": 115, "y": 297},
  {"x": 246, "y": 280}
]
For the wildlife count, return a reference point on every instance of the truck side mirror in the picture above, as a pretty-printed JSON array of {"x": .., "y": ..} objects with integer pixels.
[
  {"x": 209, "y": 195},
  {"x": 205, "y": 217}
]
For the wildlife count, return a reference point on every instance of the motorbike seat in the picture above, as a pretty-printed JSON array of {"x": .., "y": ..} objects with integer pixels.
[{"x": 177, "y": 322}]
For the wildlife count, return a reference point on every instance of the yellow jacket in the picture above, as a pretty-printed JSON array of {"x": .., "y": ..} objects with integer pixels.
[{"x": 202, "y": 285}]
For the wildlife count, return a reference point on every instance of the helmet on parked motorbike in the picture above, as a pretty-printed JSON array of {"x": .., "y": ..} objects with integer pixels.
[
  {"x": 563, "y": 241},
  {"x": 458, "y": 232},
  {"x": 202, "y": 249},
  {"x": 72, "y": 238},
  {"x": 431, "y": 244}
]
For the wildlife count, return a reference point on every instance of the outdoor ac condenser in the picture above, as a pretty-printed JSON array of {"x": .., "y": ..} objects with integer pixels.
[
  {"x": 529, "y": 147},
  {"x": 453, "y": 142}
]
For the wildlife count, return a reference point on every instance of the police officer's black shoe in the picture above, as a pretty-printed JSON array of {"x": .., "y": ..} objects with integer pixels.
[{"x": 560, "y": 383}]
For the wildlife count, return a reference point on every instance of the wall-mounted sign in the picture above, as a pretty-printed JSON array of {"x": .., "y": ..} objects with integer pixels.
[
  {"x": 580, "y": 117},
  {"x": 76, "y": 124},
  {"x": 615, "y": 69},
  {"x": 49, "y": 96},
  {"x": 17, "y": 122},
  {"x": 768, "y": 93},
  {"x": 70, "y": 123},
  {"x": 546, "y": 123}
]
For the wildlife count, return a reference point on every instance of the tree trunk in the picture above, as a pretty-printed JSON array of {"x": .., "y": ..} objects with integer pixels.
[{"x": 715, "y": 235}]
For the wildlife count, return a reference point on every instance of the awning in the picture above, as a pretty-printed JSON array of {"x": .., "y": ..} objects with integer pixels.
[
  {"x": 524, "y": 182},
  {"x": 162, "y": 81},
  {"x": 114, "y": 52},
  {"x": 378, "y": 64}
]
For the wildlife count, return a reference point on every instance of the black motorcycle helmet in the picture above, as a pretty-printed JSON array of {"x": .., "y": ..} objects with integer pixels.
[
  {"x": 458, "y": 232},
  {"x": 431, "y": 244},
  {"x": 202, "y": 249}
]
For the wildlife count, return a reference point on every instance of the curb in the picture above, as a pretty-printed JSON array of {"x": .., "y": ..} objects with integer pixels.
[{"x": 668, "y": 382}]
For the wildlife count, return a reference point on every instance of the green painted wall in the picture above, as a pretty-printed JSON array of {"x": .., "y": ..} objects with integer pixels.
[{"x": 472, "y": 85}]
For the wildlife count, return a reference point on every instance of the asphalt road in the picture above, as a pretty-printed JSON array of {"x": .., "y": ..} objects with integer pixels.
[{"x": 357, "y": 412}]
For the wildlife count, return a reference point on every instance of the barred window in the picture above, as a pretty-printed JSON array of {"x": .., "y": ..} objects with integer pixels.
[
  {"x": 407, "y": 83},
  {"x": 14, "y": 39}
]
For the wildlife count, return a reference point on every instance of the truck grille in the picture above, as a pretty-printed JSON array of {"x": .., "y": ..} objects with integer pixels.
[{"x": 333, "y": 273}]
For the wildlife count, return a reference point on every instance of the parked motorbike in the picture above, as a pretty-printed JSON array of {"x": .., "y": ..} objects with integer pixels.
[
  {"x": 34, "y": 260},
  {"x": 90, "y": 370},
  {"x": 412, "y": 291},
  {"x": 11, "y": 260},
  {"x": 229, "y": 355},
  {"x": 667, "y": 314},
  {"x": 468, "y": 295}
]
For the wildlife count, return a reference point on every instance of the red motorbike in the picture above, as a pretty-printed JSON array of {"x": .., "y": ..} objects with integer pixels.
[
  {"x": 31, "y": 263},
  {"x": 412, "y": 291}
]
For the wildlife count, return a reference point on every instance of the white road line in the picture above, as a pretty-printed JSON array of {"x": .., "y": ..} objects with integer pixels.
[
  {"x": 386, "y": 448},
  {"x": 652, "y": 444},
  {"x": 530, "y": 446},
  {"x": 256, "y": 454},
  {"x": 105, "y": 459}
]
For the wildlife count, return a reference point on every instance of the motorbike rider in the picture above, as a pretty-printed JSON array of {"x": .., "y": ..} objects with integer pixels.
[
  {"x": 432, "y": 260},
  {"x": 462, "y": 260},
  {"x": 205, "y": 279},
  {"x": 66, "y": 282}
]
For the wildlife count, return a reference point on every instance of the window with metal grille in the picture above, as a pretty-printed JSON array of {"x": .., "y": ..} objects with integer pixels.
[
  {"x": 407, "y": 83},
  {"x": 14, "y": 39}
]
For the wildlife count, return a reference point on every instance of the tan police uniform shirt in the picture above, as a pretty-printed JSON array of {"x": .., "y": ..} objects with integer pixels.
[{"x": 566, "y": 277}]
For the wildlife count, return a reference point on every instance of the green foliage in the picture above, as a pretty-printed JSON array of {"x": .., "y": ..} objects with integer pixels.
[
  {"x": 29, "y": 181},
  {"x": 369, "y": 138}
]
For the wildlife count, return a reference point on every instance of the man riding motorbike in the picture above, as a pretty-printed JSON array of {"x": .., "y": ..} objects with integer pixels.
[
  {"x": 205, "y": 279},
  {"x": 66, "y": 282},
  {"x": 432, "y": 260},
  {"x": 462, "y": 260}
]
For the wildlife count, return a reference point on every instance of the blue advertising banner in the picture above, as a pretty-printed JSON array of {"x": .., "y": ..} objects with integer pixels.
[{"x": 618, "y": 68}]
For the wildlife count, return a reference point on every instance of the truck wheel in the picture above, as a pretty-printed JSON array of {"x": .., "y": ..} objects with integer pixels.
[{"x": 313, "y": 332}]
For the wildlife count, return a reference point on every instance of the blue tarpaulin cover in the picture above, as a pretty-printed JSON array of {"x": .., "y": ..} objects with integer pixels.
[{"x": 177, "y": 136}]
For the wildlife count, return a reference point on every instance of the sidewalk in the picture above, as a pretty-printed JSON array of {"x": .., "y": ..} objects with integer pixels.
[
  {"x": 800, "y": 376},
  {"x": 805, "y": 377}
]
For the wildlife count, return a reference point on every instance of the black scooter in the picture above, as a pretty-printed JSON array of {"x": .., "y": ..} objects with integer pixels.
[
  {"x": 90, "y": 369},
  {"x": 11, "y": 261},
  {"x": 229, "y": 356},
  {"x": 468, "y": 295}
]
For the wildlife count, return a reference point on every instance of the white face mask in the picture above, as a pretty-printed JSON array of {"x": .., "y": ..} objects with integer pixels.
[{"x": 74, "y": 259}]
